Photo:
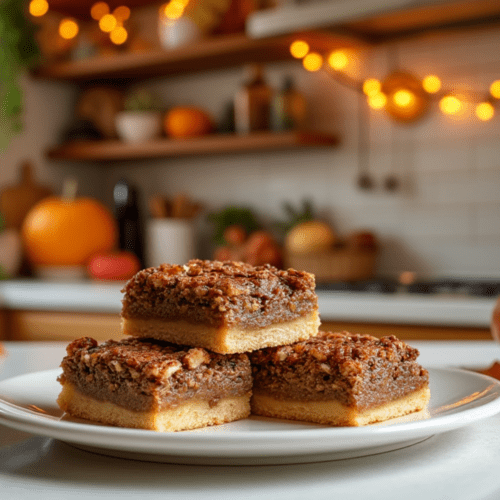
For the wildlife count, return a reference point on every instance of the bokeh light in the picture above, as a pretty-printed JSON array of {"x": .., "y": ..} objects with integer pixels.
[
  {"x": 450, "y": 105},
  {"x": 495, "y": 89},
  {"x": 299, "y": 49},
  {"x": 485, "y": 111},
  {"x": 377, "y": 101},
  {"x": 371, "y": 87},
  {"x": 338, "y": 60},
  {"x": 98, "y": 10},
  {"x": 68, "y": 28},
  {"x": 119, "y": 35},
  {"x": 313, "y": 61},
  {"x": 121, "y": 13},
  {"x": 174, "y": 9},
  {"x": 431, "y": 84},
  {"x": 108, "y": 23},
  {"x": 404, "y": 98},
  {"x": 38, "y": 8}
]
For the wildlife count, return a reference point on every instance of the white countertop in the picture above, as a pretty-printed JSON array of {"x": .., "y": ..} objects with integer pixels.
[
  {"x": 460, "y": 464},
  {"x": 89, "y": 296}
]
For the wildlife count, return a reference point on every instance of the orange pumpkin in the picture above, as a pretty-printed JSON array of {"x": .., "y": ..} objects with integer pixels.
[
  {"x": 186, "y": 121},
  {"x": 59, "y": 231}
]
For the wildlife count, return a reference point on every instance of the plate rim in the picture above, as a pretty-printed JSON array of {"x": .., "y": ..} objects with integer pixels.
[{"x": 136, "y": 439}]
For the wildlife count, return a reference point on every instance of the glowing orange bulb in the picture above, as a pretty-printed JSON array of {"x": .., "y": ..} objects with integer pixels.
[
  {"x": 431, "y": 84},
  {"x": 338, "y": 60},
  {"x": 119, "y": 35},
  {"x": 121, "y": 13},
  {"x": 299, "y": 49},
  {"x": 68, "y": 29},
  {"x": 174, "y": 9},
  {"x": 485, "y": 111},
  {"x": 108, "y": 23},
  {"x": 495, "y": 89},
  {"x": 99, "y": 10},
  {"x": 312, "y": 62},
  {"x": 403, "y": 98},
  {"x": 38, "y": 8},
  {"x": 377, "y": 101},
  {"x": 450, "y": 105},
  {"x": 371, "y": 87}
]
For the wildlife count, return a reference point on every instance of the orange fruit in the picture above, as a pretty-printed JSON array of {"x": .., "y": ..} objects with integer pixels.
[
  {"x": 187, "y": 121},
  {"x": 58, "y": 232}
]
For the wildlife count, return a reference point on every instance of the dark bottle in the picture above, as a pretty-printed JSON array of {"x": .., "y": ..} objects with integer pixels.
[
  {"x": 289, "y": 108},
  {"x": 127, "y": 214}
]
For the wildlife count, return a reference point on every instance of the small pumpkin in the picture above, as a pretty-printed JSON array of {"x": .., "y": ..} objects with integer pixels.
[
  {"x": 61, "y": 231},
  {"x": 186, "y": 121}
]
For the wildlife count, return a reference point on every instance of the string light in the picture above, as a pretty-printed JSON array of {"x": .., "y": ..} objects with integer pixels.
[
  {"x": 299, "y": 49},
  {"x": 38, "y": 8},
  {"x": 121, "y": 13},
  {"x": 108, "y": 23},
  {"x": 485, "y": 111},
  {"x": 450, "y": 105},
  {"x": 338, "y": 60},
  {"x": 372, "y": 87},
  {"x": 431, "y": 84},
  {"x": 68, "y": 28},
  {"x": 98, "y": 10},
  {"x": 119, "y": 35},
  {"x": 377, "y": 101}
]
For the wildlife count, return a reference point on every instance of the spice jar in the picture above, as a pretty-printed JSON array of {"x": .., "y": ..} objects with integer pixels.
[{"x": 288, "y": 108}]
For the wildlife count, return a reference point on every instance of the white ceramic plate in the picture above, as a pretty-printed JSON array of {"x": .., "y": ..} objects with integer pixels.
[{"x": 458, "y": 398}]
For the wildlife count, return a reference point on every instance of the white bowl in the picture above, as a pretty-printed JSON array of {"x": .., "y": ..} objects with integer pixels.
[{"x": 138, "y": 126}]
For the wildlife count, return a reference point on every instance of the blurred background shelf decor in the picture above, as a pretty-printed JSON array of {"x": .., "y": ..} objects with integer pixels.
[{"x": 382, "y": 115}]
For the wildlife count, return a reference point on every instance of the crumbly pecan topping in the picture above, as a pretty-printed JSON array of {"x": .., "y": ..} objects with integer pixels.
[
  {"x": 218, "y": 293},
  {"x": 167, "y": 372},
  {"x": 358, "y": 369}
]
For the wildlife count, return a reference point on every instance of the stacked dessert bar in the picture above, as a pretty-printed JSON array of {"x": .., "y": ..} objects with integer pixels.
[{"x": 202, "y": 337}]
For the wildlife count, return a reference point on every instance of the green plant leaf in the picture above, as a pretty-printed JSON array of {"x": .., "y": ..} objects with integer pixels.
[{"x": 229, "y": 216}]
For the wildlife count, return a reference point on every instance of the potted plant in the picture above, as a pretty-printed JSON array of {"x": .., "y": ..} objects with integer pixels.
[
  {"x": 18, "y": 51},
  {"x": 141, "y": 119}
]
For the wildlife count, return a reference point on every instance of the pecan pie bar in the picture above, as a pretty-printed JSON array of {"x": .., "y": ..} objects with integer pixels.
[
  {"x": 226, "y": 307},
  {"x": 339, "y": 379},
  {"x": 153, "y": 385}
]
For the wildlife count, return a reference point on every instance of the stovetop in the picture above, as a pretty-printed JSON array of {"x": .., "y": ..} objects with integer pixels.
[{"x": 454, "y": 286}]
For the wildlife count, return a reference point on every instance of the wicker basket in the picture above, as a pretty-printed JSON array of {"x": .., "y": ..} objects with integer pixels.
[{"x": 344, "y": 264}]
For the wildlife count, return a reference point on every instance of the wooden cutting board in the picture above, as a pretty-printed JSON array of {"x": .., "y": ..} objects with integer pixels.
[{"x": 17, "y": 200}]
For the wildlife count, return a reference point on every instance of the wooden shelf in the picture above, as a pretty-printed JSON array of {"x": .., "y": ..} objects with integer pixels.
[
  {"x": 211, "y": 53},
  {"x": 210, "y": 144}
]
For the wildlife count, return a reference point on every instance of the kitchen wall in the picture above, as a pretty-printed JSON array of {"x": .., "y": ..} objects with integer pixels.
[{"x": 444, "y": 220}]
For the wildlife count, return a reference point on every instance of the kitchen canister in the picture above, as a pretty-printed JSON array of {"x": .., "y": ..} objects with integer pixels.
[{"x": 170, "y": 241}]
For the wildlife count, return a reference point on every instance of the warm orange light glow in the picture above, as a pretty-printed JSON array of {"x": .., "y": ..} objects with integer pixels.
[
  {"x": 404, "y": 98},
  {"x": 121, "y": 13},
  {"x": 38, "y": 8},
  {"x": 450, "y": 105},
  {"x": 68, "y": 28},
  {"x": 313, "y": 61},
  {"x": 431, "y": 84},
  {"x": 174, "y": 9},
  {"x": 377, "y": 101},
  {"x": 299, "y": 49},
  {"x": 485, "y": 111},
  {"x": 108, "y": 23},
  {"x": 495, "y": 89},
  {"x": 99, "y": 10},
  {"x": 371, "y": 87},
  {"x": 119, "y": 35},
  {"x": 338, "y": 60}
]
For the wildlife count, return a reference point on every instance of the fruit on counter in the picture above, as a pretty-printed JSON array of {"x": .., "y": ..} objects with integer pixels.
[
  {"x": 362, "y": 239},
  {"x": 309, "y": 237},
  {"x": 113, "y": 266},
  {"x": 67, "y": 231},
  {"x": 235, "y": 235},
  {"x": 187, "y": 121}
]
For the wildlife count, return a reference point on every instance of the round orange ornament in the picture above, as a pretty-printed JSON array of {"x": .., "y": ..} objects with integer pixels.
[
  {"x": 185, "y": 121},
  {"x": 67, "y": 232}
]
